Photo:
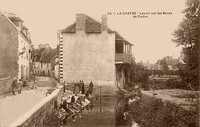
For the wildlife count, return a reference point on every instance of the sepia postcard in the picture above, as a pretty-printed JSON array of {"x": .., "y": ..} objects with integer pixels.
[{"x": 98, "y": 63}]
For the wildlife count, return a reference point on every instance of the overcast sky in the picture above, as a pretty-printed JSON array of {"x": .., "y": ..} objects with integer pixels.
[{"x": 151, "y": 36}]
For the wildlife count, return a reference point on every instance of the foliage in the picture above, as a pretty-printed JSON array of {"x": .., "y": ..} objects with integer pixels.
[
  {"x": 172, "y": 83},
  {"x": 165, "y": 62},
  {"x": 154, "y": 112},
  {"x": 165, "y": 67},
  {"x": 136, "y": 73},
  {"x": 186, "y": 35}
]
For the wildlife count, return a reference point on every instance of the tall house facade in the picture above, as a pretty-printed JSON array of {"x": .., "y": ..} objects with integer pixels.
[
  {"x": 90, "y": 51},
  {"x": 15, "y": 46}
]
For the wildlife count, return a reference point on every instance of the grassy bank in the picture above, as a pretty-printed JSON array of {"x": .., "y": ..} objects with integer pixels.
[{"x": 156, "y": 112}]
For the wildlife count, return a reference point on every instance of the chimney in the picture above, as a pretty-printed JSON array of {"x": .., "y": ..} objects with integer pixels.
[
  {"x": 104, "y": 23},
  {"x": 80, "y": 22}
]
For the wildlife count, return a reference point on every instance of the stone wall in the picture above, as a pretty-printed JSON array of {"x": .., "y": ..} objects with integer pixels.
[
  {"x": 5, "y": 85},
  {"x": 38, "y": 116}
]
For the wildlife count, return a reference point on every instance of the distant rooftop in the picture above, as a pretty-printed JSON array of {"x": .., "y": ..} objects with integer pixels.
[{"x": 44, "y": 54}]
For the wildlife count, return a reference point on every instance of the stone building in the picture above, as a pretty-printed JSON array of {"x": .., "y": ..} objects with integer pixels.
[
  {"x": 55, "y": 64},
  {"x": 43, "y": 60},
  {"x": 90, "y": 51},
  {"x": 15, "y": 46}
]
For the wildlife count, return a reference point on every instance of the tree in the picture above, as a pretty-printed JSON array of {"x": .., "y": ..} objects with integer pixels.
[
  {"x": 137, "y": 73},
  {"x": 186, "y": 35},
  {"x": 164, "y": 64}
]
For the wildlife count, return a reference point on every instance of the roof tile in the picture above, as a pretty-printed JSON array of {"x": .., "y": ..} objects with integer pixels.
[{"x": 92, "y": 26}]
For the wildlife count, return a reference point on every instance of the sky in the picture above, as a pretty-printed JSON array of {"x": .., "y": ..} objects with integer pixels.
[{"x": 151, "y": 36}]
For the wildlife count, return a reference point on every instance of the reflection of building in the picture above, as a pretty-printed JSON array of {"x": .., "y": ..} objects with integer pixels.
[
  {"x": 42, "y": 60},
  {"x": 90, "y": 51},
  {"x": 119, "y": 112},
  {"x": 15, "y": 46}
]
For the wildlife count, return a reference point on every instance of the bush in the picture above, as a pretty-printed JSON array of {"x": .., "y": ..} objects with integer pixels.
[
  {"x": 153, "y": 112},
  {"x": 144, "y": 86},
  {"x": 156, "y": 84},
  {"x": 173, "y": 83}
]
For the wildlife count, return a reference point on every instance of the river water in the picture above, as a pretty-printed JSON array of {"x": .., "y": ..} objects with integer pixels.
[{"x": 106, "y": 112}]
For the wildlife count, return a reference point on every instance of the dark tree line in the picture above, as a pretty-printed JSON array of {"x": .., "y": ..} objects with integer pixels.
[
  {"x": 136, "y": 73},
  {"x": 187, "y": 36}
]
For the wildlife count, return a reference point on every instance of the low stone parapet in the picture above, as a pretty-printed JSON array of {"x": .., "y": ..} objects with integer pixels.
[{"x": 37, "y": 116}]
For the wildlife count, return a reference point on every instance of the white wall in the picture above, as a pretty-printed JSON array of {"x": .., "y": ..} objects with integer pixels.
[
  {"x": 89, "y": 57},
  {"x": 24, "y": 59},
  {"x": 44, "y": 68}
]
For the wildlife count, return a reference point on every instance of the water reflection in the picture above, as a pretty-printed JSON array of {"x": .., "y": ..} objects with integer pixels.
[
  {"x": 106, "y": 111},
  {"x": 120, "y": 110}
]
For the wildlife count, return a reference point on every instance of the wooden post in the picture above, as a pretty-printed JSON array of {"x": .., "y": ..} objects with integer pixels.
[
  {"x": 64, "y": 86},
  {"x": 100, "y": 100}
]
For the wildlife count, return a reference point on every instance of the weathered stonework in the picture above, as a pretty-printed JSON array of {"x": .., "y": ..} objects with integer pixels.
[
  {"x": 5, "y": 85},
  {"x": 37, "y": 116}
]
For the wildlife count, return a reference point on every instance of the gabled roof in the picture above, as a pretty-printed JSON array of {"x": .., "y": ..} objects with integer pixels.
[
  {"x": 34, "y": 52},
  {"x": 119, "y": 37},
  {"x": 92, "y": 26},
  {"x": 49, "y": 56},
  {"x": 13, "y": 17},
  {"x": 5, "y": 15},
  {"x": 24, "y": 28},
  {"x": 37, "y": 53},
  {"x": 70, "y": 29},
  {"x": 40, "y": 51}
]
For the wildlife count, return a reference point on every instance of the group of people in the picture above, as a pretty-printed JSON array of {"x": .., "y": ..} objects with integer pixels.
[
  {"x": 16, "y": 86},
  {"x": 18, "y": 83},
  {"x": 79, "y": 88},
  {"x": 73, "y": 104}
]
